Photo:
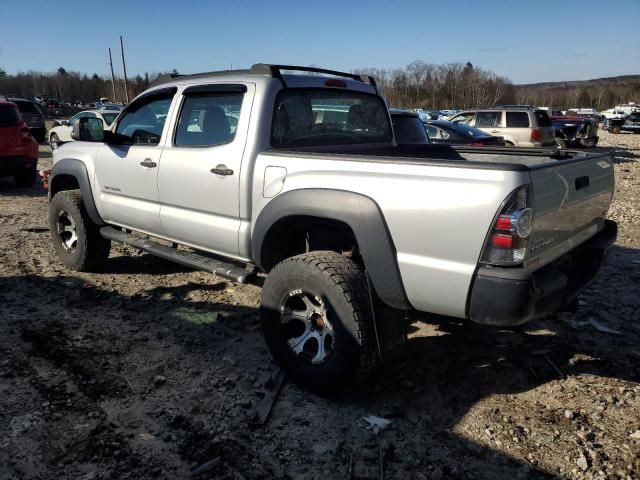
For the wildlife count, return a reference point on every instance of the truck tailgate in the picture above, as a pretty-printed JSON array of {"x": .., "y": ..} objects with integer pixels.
[{"x": 570, "y": 202}]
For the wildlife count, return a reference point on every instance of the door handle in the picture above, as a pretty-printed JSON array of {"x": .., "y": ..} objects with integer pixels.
[
  {"x": 495, "y": 131},
  {"x": 148, "y": 163},
  {"x": 222, "y": 170}
]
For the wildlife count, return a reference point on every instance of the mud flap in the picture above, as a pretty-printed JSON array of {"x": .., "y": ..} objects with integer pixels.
[{"x": 389, "y": 325}]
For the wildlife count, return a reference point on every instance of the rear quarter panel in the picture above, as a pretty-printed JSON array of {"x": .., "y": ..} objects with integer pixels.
[{"x": 438, "y": 216}]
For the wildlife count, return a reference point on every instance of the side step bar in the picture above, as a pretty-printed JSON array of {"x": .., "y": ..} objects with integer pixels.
[{"x": 189, "y": 259}]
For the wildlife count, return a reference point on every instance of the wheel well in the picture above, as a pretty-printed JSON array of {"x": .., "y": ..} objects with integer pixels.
[
  {"x": 298, "y": 234},
  {"x": 63, "y": 182}
]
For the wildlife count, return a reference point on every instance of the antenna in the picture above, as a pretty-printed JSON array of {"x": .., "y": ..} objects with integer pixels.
[
  {"x": 124, "y": 67},
  {"x": 113, "y": 78}
]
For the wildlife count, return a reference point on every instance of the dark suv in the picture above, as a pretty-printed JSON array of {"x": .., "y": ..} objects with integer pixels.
[{"x": 32, "y": 116}]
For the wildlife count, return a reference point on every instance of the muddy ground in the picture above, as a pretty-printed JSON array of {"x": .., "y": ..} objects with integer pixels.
[{"x": 149, "y": 370}]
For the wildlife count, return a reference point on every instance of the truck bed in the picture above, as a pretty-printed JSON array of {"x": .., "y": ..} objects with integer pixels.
[{"x": 504, "y": 158}]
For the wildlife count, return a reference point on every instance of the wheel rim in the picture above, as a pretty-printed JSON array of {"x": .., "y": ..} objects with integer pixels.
[
  {"x": 54, "y": 142},
  {"x": 67, "y": 233},
  {"x": 308, "y": 331}
]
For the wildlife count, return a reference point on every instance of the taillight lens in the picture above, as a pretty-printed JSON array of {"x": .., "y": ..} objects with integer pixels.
[
  {"x": 536, "y": 136},
  {"x": 26, "y": 134},
  {"x": 509, "y": 236}
]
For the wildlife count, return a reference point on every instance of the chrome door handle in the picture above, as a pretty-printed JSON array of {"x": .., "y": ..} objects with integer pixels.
[
  {"x": 222, "y": 170},
  {"x": 495, "y": 131},
  {"x": 148, "y": 163}
]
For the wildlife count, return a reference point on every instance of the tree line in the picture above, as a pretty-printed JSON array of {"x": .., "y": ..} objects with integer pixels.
[
  {"x": 444, "y": 86},
  {"x": 72, "y": 87},
  {"x": 418, "y": 85}
]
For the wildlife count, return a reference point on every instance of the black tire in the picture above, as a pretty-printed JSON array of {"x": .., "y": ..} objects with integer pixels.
[
  {"x": 560, "y": 143},
  {"x": 615, "y": 129},
  {"x": 67, "y": 215},
  {"x": 54, "y": 140},
  {"x": 26, "y": 177},
  {"x": 336, "y": 285}
]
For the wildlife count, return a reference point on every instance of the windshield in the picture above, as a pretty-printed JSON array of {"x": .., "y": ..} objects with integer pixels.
[
  {"x": 109, "y": 117},
  {"x": 314, "y": 117}
]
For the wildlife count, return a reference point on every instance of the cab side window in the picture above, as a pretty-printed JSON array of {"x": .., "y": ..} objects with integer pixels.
[
  {"x": 208, "y": 119},
  {"x": 142, "y": 122},
  {"x": 517, "y": 119}
]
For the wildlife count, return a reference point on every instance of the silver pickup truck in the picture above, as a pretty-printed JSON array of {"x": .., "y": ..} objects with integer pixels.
[{"x": 298, "y": 175}]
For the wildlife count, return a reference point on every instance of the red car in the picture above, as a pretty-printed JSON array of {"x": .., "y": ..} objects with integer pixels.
[{"x": 18, "y": 149}]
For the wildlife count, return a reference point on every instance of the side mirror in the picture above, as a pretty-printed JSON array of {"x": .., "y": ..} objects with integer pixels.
[
  {"x": 64, "y": 123},
  {"x": 88, "y": 129}
]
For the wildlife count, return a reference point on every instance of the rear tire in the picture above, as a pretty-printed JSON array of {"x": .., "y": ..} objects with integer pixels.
[
  {"x": 26, "y": 177},
  {"x": 615, "y": 129},
  {"x": 320, "y": 297},
  {"x": 76, "y": 238}
]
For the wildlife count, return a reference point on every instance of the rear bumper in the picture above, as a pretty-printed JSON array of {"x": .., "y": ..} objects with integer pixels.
[
  {"x": 512, "y": 296},
  {"x": 14, "y": 164}
]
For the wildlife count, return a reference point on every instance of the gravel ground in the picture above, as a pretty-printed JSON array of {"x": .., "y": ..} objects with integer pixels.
[{"x": 148, "y": 370}]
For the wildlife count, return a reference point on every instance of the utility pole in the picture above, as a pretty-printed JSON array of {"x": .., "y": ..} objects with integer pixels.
[
  {"x": 124, "y": 67},
  {"x": 113, "y": 79}
]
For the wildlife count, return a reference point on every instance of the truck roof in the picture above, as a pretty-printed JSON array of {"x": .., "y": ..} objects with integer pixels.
[{"x": 287, "y": 75}]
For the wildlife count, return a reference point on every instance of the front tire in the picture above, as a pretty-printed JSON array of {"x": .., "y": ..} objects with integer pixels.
[
  {"x": 316, "y": 318},
  {"x": 615, "y": 129},
  {"x": 76, "y": 238},
  {"x": 54, "y": 141}
]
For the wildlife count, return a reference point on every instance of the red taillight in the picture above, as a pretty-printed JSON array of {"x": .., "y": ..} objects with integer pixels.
[
  {"x": 26, "y": 134},
  {"x": 536, "y": 136},
  {"x": 333, "y": 82},
  {"x": 509, "y": 235},
  {"x": 503, "y": 223},
  {"x": 502, "y": 241},
  {"x": 479, "y": 144}
]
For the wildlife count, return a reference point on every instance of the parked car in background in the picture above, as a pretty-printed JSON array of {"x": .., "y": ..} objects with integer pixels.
[
  {"x": 408, "y": 129},
  {"x": 443, "y": 132},
  {"x": 612, "y": 113},
  {"x": 630, "y": 123},
  {"x": 572, "y": 131},
  {"x": 520, "y": 125},
  {"x": 18, "y": 148},
  {"x": 61, "y": 132},
  {"x": 32, "y": 117}
]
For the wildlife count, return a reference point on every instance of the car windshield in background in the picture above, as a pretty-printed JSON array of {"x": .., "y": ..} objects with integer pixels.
[
  {"x": 109, "y": 117},
  {"x": 8, "y": 116},
  {"x": 543, "y": 118},
  {"x": 315, "y": 117}
]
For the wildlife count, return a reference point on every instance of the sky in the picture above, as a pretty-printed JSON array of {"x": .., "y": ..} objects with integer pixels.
[{"x": 526, "y": 41}]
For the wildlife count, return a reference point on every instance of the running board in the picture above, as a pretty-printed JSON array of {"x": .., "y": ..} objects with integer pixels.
[{"x": 189, "y": 259}]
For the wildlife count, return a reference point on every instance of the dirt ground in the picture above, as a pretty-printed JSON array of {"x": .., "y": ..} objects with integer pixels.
[{"x": 149, "y": 370}]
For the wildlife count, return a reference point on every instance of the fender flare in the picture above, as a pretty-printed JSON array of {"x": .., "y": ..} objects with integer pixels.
[
  {"x": 361, "y": 214},
  {"x": 77, "y": 169}
]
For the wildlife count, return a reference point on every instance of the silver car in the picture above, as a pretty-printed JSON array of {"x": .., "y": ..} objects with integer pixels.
[{"x": 521, "y": 126}]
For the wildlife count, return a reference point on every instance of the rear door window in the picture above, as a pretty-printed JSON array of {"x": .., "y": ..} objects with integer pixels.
[
  {"x": 517, "y": 119},
  {"x": 8, "y": 116},
  {"x": 543, "y": 118},
  {"x": 488, "y": 119},
  {"x": 207, "y": 120}
]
